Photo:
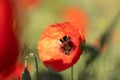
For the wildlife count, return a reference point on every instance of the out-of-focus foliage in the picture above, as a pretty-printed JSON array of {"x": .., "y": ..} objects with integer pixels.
[
  {"x": 95, "y": 51},
  {"x": 49, "y": 75},
  {"x": 103, "y": 65}
]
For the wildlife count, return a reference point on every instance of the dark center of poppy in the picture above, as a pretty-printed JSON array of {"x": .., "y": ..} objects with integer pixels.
[{"x": 66, "y": 45}]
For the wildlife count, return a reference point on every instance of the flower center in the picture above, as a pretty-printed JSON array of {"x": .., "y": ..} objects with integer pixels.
[{"x": 66, "y": 45}]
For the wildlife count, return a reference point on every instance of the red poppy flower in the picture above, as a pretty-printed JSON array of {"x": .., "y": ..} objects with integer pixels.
[
  {"x": 59, "y": 46},
  {"x": 15, "y": 74},
  {"x": 8, "y": 42},
  {"x": 78, "y": 18}
]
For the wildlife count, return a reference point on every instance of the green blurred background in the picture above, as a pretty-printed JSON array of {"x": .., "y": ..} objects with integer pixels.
[{"x": 101, "y": 14}]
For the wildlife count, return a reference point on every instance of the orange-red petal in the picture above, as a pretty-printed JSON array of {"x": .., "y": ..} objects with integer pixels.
[
  {"x": 28, "y": 4},
  {"x": 78, "y": 18},
  {"x": 9, "y": 48},
  {"x": 16, "y": 73},
  {"x": 49, "y": 46}
]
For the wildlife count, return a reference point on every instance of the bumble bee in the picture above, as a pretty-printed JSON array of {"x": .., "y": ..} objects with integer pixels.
[
  {"x": 65, "y": 39},
  {"x": 66, "y": 45}
]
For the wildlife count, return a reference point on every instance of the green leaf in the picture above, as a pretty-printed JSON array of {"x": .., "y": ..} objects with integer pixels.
[
  {"x": 26, "y": 74},
  {"x": 93, "y": 52},
  {"x": 106, "y": 36}
]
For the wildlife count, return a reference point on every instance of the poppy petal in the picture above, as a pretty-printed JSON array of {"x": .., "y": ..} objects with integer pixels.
[
  {"x": 78, "y": 18},
  {"x": 58, "y": 46}
]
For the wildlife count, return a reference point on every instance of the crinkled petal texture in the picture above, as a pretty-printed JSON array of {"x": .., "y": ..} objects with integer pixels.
[
  {"x": 49, "y": 46},
  {"x": 8, "y": 42},
  {"x": 78, "y": 18}
]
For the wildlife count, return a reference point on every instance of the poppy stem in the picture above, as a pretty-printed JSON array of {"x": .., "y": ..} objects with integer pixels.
[
  {"x": 36, "y": 64},
  {"x": 72, "y": 77},
  {"x": 36, "y": 67}
]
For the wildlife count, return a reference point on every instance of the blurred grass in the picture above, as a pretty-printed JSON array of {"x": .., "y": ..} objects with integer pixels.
[{"x": 100, "y": 13}]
